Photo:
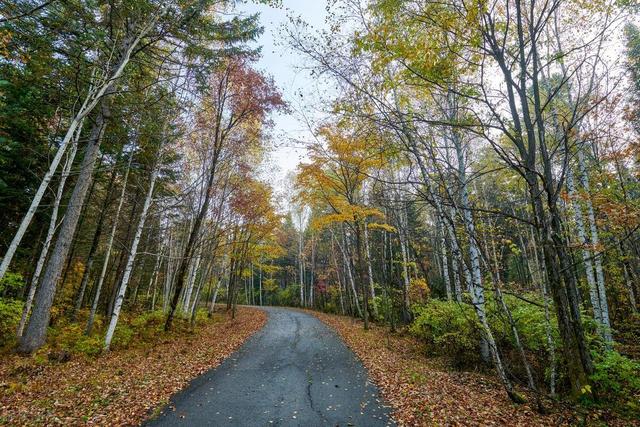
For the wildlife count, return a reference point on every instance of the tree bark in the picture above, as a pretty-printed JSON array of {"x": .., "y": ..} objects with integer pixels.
[
  {"x": 35, "y": 333},
  {"x": 53, "y": 222},
  {"x": 107, "y": 256},
  {"x": 132, "y": 256}
]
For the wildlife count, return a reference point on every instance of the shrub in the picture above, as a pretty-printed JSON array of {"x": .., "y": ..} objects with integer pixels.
[
  {"x": 386, "y": 305},
  {"x": 10, "y": 313},
  {"x": 90, "y": 346},
  {"x": 147, "y": 325},
  {"x": 532, "y": 325},
  {"x": 330, "y": 307},
  {"x": 71, "y": 338},
  {"x": 530, "y": 322},
  {"x": 122, "y": 336},
  {"x": 11, "y": 284},
  {"x": 616, "y": 380},
  {"x": 448, "y": 328},
  {"x": 288, "y": 296},
  {"x": 202, "y": 316}
]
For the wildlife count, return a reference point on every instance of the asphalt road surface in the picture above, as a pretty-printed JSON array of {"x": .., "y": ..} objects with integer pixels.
[{"x": 294, "y": 372}]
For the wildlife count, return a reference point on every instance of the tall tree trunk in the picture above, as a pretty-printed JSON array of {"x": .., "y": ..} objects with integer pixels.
[
  {"x": 132, "y": 256},
  {"x": 53, "y": 222},
  {"x": 337, "y": 269},
  {"x": 260, "y": 285},
  {"x": 445, "y": 261},
  {"x": 405, "y": 276},
  {"x": 193, "y": 237},
  {"x": 195, "y": 265},
  {"x": 369, "y": 266},
  {"x": 475, "y": 284},
  {"x": 349, "y": 271},
  {"x": 94, "y": 246},
  {"x": 35, "y": 333},
  {"x": 107, "y": 255},
  {"x": 595, "y": 240},
  {"x": 301, "y": 263},
  {"x": 586, "y": 252},
  {"x": 75, "y": 239},
  {"x": 362, "y": 272}
]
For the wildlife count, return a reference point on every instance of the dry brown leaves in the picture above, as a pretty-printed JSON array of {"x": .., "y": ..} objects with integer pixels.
[
  {"x": 119, "y": 388},
  {"x": 424, "y": 394}
]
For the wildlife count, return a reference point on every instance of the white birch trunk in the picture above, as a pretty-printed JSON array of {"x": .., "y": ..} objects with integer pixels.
[
  {"x": 349, "y": 274},
  {"x": 445, "y": 261},
  {"x": 130, "y": 261},
  {"x": 300, "y": 262},
  {"x": 260, "y": 285},
  {"x": 584, "y": 243},
  {"x": 595, "y": 240},
  {"x": 107, "y": 255},
  {"x": 154, "y": 283},
  {"x": 215, "y": 296},
  {"x": 405, "y": 269},
  {"x": 168, "y": 274},
  {"x": 53, "y": 222},
  {"x": 369, "y": 267},
  {"x": 192, "y": 280},
  {"x": 458, "y": 262},
  {"x": 475, "y": 275},
  {"x": 335, "y": 263}
]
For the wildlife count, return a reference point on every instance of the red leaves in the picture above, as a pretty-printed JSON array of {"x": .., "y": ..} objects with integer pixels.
[{"x": 122, "y": 387}]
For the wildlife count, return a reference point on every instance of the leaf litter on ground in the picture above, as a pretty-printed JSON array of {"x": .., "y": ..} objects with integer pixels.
[{"x": 121, "y": 387}]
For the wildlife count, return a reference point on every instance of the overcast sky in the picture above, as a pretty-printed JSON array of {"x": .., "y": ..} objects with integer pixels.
[{"x": 284, "y": 65}]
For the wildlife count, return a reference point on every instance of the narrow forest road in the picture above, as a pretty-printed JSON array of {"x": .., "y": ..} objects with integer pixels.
[{"x": 294, "y": 372}]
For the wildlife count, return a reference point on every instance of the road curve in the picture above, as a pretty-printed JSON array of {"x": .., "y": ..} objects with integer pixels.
[{"x": 294, "y": 372}]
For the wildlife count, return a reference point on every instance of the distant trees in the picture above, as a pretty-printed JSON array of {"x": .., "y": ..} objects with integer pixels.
[
  {"x": 493, "y": 125},
  {"x": 234, "y": 110}
]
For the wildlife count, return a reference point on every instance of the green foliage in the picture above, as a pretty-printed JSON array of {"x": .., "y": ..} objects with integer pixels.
[
  {"x": 91, "y": 346},
  {"x": 451, "y": 329},
  {"x": 11, "y": 284},
  {"x": 628, "y": 336},
  {"x": 617, "y": 383},
  {"x": 448, "y": 328},
  {"x": 530, "y": 322},
  {"x": 10, "y": 313},
  {"x": 385, "y": 305},
  {"x": 147, "y": 325},
  {"x": 288, "y": 296},
  {"x": 123, "y": 336},
  {"x": 70, "y": 338},
  {"x": 202, "y": 315},
  {"x": 330, "y": 307},
  {"x": 141, "y": 329}
]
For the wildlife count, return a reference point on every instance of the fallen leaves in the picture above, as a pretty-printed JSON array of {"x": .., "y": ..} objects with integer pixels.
[
  {"x": 425, "y": 394},
  {"x": 119, "y": 388}
]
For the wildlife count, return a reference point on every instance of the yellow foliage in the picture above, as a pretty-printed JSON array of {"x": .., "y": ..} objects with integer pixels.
[{"x": 336, "y": 174}]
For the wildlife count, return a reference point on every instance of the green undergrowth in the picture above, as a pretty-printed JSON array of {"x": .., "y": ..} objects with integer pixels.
[
  {"x": 450, "y": 330},
  {"x": 67, "y": 338}
]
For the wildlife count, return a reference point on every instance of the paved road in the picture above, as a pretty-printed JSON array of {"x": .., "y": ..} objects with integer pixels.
[{"x": 294, "y": 372}]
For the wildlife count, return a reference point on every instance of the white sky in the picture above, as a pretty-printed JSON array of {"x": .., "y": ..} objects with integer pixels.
[{"x": 279, "y": 61}]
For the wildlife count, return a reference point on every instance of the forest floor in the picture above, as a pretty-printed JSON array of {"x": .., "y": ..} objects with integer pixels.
[
  {"x": 423, "y": 392},
  {"x": 121, "y": 387}
]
